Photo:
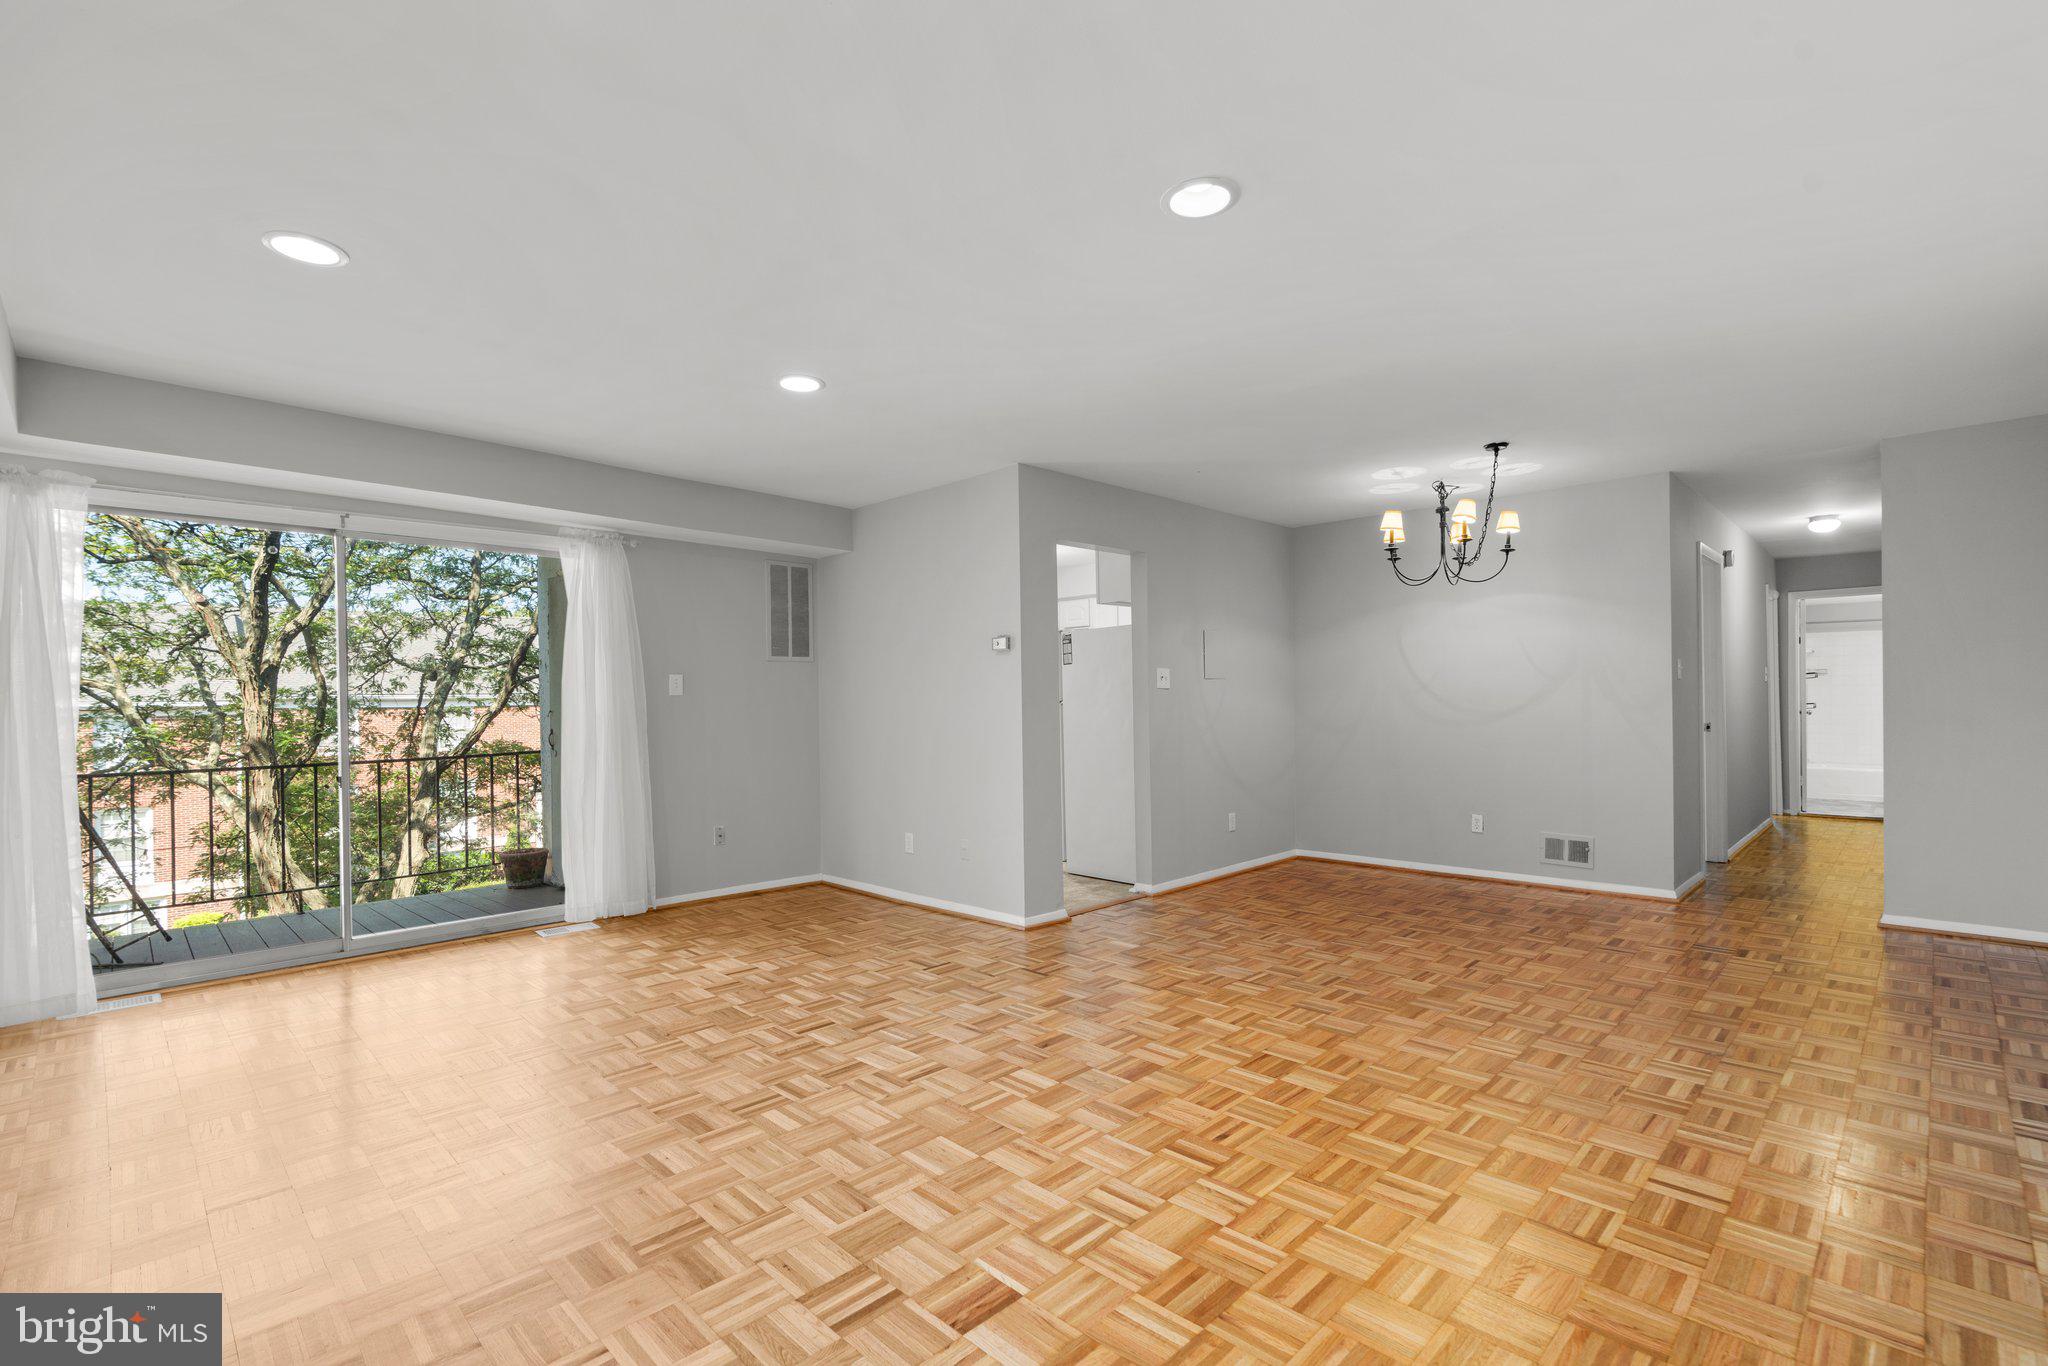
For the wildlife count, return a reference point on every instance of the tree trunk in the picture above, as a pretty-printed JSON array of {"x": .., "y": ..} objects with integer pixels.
[
  {"x": 421, "y": 821},
  {"x": 274, "y": 872}
]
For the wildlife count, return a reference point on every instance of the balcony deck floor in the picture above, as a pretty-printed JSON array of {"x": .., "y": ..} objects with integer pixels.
[{"x": 281, "y": 931}]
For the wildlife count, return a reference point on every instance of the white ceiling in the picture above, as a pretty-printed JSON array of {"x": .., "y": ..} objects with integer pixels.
[
  {"x": 1713, "y": 238},
  {"x": 1772, "y": 499}
]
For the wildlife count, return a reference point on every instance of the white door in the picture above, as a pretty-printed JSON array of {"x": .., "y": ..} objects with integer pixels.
[
  {"x": 1100, "y": 757},
  {"x": 1844, "y": 708}
]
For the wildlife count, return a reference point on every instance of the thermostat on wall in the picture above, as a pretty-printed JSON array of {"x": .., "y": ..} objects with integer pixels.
[{"x": 999, "y": 644}]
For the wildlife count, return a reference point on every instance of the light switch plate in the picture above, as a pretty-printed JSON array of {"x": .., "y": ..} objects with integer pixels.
[
  {"x": 675, "y": 685},
  {"x": 1163, "y": 679}
]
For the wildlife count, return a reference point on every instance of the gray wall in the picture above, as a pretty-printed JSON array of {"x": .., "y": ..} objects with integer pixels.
[
  {"x": 1746, "y": 694},
  {"x": 918, "y": 716},
  {"x": 7, "y": 376},
  {"x": 1541, "y": 701},
  {"x": 739, "y": 748},
  {"x": 1965, "y": 659},
  {"x": 1803, "y": 573},
  {"x": 1207, "y": 747}
]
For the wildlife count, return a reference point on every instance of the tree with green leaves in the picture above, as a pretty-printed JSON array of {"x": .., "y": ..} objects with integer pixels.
[{"x": 190, "y": 632}]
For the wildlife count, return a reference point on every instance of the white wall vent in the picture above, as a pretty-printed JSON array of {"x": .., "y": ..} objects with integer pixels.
[
  {"x": 789, "y": 611},
  {"x": 1572, "y": 851}
]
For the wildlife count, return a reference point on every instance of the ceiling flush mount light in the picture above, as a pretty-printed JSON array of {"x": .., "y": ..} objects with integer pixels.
[
  {"x": 1203, "y": 197},
  {"x": 305, "y": 248},
  {"x": 1460, "y": 529},
  {"x": 801, "y": 384},
  {"x": 1824, "y": 523}
]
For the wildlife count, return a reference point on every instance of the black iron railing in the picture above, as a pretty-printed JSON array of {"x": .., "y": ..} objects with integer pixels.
[{"x": 265, "y": 839}]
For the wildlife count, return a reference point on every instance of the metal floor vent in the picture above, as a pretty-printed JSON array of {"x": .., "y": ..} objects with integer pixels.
[
  {"x": 147, "y": 998},
  {"x": 1572, "y": 851},
  {"x": 551, "y": 931}
]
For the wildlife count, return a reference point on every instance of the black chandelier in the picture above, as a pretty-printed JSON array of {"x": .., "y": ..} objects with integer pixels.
[{"x": 1457, "y": 547}]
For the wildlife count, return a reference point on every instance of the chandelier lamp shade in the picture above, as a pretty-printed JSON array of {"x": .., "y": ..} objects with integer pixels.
[{"x": 1460, "y": 532}]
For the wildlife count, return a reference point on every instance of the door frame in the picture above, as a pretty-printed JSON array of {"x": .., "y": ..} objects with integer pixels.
[
  {"x": 1773, "y": 672},
  {"x": 341, "y": 528},
  {"x": 1141, "y": 671},
  {"x": 1713, "y": 713},
  {"x": 1795, "y": 649}
]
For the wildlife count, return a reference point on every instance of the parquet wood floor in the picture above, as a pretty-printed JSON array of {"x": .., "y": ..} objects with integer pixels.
[{"x": 1313, "y": 1113}]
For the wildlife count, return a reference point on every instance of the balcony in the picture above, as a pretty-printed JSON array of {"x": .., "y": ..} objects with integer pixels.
[{"x": 182, "y": 865}]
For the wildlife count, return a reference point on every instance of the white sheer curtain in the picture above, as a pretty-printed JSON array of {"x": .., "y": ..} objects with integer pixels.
[
  {"x": 44, "y": 969},
  {"x": 607, "y": 817}
]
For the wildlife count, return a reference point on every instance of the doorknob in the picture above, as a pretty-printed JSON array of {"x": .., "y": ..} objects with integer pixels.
[{"x": 1808, "y": 707}]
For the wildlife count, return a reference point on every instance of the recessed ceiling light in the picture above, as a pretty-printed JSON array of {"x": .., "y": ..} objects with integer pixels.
[
  {"x": 1824, "y": 523},
  {"x": 1400, "y": 472},
  {"x": 1395, "y": 488},
  {"x": 305, "y": 249},
  {"x": 801, "y": 384},
  {"x": 1203, "y": 197}
]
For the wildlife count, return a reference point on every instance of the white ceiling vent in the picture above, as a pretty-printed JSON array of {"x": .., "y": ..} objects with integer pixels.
[
  {"x": 789, "y": 611},
  {"x": 1573, "y": 851}
]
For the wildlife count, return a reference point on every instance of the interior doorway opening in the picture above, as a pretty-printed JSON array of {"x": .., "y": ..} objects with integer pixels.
[
  {"x": 1097, "y": 728},
  {"x": 1839, "y": 640}
]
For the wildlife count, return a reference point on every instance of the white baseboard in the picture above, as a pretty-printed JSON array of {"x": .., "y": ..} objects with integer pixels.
[
  {"x": 939, "y": 904},
  {"x": 1743, "y": 843},
  {"x": 664, "y": 902},
  {"x": 1956, "y": 927},
  {"x": 1154, "y": 888},
  {"x": 1684, "y": 889},
  {"x": 1566, "y": 883}
]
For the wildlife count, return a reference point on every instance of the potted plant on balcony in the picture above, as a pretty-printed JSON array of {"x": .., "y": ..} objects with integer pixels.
[{"x": 525, "y": 867}]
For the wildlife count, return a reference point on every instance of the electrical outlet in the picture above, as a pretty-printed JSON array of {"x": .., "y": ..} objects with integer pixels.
[
  {"x": 675, "y": 685},
  {"x": 718, "y": 836},
  {"x": 909, "y": 843},
  {"x": 1233, "y": 820},
  {"x": 1479, "y": 825},
  {"x": 963, "y": 851}
]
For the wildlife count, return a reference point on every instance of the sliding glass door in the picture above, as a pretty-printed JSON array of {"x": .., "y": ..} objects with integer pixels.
[
  {"x": 234, "y": 686},
  {"x": 447, "y": 761},
  {"x": 208, "y": 794}
]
